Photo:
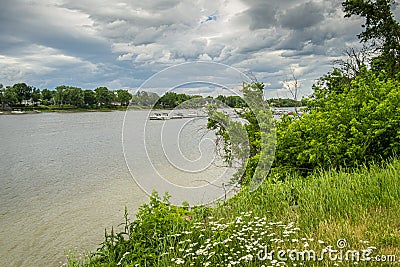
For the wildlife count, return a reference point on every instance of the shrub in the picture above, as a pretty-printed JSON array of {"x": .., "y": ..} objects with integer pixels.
[
  {"x": 142, "y": 240},
  {"x": 345, "y": 126}
]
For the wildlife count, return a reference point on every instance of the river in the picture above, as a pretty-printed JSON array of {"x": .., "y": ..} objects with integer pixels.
[{"x": 64, "y": 179}]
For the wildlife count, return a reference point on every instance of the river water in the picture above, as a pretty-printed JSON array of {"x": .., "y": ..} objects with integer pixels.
[{"x": 64, "y": 178}]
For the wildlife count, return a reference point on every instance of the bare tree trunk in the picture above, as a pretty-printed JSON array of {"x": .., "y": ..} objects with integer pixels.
[{"x": 293, "y": 87}]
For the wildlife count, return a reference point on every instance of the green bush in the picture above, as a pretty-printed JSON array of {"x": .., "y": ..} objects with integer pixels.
[
  {"x": 142, "y": 240},
  {"x": 346, "y": 125}
]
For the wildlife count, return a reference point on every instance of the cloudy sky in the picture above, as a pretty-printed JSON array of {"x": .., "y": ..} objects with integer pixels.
[{"x": 120, "y": 44}]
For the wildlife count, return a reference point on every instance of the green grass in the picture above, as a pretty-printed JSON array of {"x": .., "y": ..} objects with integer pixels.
[{"x": 360, "y": 206}]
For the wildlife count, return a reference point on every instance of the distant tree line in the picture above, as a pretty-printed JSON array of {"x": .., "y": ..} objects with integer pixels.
[
  {"x": 286, "y": 102},
  {"x": 21, "y": 94},
  {"x": 232, "y": 101}
]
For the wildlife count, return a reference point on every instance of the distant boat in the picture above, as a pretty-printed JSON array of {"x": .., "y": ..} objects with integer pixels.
[
  {"x": 17, "y": 111},
  {"x": 177, "y": 116},
  {"x": 192, "y": 115},
  {"x": 159, "y": 116}
]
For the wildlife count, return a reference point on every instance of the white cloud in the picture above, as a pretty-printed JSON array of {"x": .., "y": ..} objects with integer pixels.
[
  {"x": 122, "y": 43},
  {"x": 204, "y": 57},
  {"x": 35, "y": 61}
]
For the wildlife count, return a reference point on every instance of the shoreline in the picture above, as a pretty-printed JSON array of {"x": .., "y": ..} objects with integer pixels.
[
  {"x": 78, "y": 110},
  {"x": 38, "y": 111}
]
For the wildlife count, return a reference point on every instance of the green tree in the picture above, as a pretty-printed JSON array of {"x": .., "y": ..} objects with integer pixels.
[
  {"x": 235, "y": 101},
  {"x": 143, "y": 98},
  {"x": 332, "y": 83},
  {"x": 89, "y": 97},
  {"x": 23, "y": 91},
  {"x": 113, "y": 96},
  {"x": 172, "y": 100},
  {"x": 103, "y": 96},
  {"x": 123, "y": 97},
  {"x": 344, "y": 128},
  {"x": 381, "y": 30},
  {"x": 283, "y": 102},
  {"x": 231, "y": 101},
  {"x": 255, "y": 148},
  {"x": 47, "y": 95},
  {"x": 59, "y": 95},
  {"x": 74, "y": 96},
  {"x": 168, "y": 100},
  {"x": 221, "y": 98},
  {"x": 8, "y": 96},
  {"x": 35, "y": 95}
]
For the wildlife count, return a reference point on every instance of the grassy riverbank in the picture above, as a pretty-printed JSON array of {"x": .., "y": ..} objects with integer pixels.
[{"x": 360, "y": 208}]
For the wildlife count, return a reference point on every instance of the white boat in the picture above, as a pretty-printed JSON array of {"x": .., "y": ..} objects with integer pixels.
[
  {"x": 192, "y": 115},
  {"x": 159, "y": 116},
  {"x": 177, "y": 116},
  {"x": 18, "y": 111}
]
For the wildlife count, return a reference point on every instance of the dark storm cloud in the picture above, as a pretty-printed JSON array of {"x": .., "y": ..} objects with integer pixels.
[
  {"x": 302, "y": 16},
  {"x": 48, "y": 26},
  {"x": 262, "y": 16},
  {"x": 122, "y": 43}
]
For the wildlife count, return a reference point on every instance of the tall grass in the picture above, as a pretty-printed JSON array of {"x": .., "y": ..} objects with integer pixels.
[
  {"x": 360, "y": 206},
  {"x": 326, "y": 194}
]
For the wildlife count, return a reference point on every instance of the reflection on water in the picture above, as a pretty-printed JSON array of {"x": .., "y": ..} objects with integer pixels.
[{"x": 176, "y": 156}]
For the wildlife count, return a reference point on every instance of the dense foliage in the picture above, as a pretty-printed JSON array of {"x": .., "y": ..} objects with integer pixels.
[
  {"x": 250, "y": 144},
  {"x": 344, "y": 128},
  {"x": 171, "y": 100},
  {"x": 346, "y": 123},
  {"x": 143, "y": 240},
  {"x": 351, "y": 119},
  {"x": 21, "y": 94},
  {"x": 285, "y": 102},
  {"x": 381, "y": 32},
  {"x": 232, "y": 101}
]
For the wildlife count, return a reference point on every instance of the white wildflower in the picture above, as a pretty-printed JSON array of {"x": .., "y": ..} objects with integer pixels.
[{"x": 179, "y": 261}]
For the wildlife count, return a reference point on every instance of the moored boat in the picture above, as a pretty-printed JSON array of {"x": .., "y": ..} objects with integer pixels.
[
  {"x": 177, "y": 116},
  {"x": 17, "y": 111},
  {"x": 159, "y": 116}
]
